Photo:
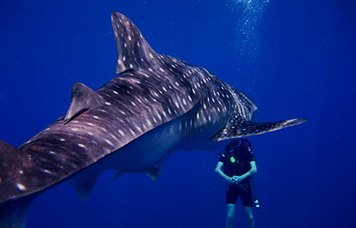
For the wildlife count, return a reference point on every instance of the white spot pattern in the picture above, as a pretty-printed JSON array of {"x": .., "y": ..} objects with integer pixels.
[{"x": 21, "y": 186}]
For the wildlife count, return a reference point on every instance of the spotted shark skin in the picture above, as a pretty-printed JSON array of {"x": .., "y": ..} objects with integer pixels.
[{"x": 156, "y": 106}]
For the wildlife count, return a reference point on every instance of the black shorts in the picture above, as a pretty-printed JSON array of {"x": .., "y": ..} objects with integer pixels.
[{"x": 243, "y": 190}]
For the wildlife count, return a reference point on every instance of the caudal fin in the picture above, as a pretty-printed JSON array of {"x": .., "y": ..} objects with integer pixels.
[{"x": 13, "y": 213}]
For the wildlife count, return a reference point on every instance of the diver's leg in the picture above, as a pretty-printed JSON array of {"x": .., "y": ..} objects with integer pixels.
[
  {"x": 249, "y": 216},
  {"x": 230, "y": 215}
]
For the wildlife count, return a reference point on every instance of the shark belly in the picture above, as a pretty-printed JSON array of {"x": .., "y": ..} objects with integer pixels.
[{"x": 148, "y": 152}]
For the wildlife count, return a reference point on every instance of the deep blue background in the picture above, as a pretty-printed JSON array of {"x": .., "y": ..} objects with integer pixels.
[{"x": 304, "y": 66}]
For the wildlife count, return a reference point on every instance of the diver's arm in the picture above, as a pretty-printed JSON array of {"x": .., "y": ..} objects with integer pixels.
[
  {"x": 252, "y": 171},
  {"x": 221, "y": 173}
]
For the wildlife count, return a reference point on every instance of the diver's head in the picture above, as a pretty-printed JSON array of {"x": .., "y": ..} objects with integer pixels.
[{"x": 235, "y": 144}]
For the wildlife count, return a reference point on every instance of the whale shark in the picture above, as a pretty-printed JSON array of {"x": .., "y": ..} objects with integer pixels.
[{"x": 155, "y": 106}]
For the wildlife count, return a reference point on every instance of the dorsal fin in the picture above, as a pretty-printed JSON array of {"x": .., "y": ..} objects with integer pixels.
[
  {"x": 242, "y": 128},
  {"x": 133, "y": 51},
  {"x": 82, "y": 99}
]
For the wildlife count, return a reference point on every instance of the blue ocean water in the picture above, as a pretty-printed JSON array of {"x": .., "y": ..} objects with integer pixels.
[{"x": 294, "y": 58}]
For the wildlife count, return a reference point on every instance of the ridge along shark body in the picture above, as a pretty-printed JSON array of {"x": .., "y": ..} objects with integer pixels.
[{"x": 156, "y": 106}]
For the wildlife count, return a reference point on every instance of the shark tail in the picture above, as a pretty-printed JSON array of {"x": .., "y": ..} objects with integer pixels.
[
  {"x": 13, "y": 212},
  {"x": 241, "y": 128}
]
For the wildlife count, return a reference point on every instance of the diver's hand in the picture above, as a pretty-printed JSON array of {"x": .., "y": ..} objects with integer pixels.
[
  {"x": 234, "y": 180},
  {"x": 239, "y": 179}
]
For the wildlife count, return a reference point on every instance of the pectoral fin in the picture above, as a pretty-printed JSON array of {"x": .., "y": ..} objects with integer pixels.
[
  {"x": 242, "y": 128},
  {"x": 84, "y": 184}
]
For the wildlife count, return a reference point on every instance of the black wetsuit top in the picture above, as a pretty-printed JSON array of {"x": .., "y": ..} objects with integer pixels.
[{"x": 237, "y": 157}]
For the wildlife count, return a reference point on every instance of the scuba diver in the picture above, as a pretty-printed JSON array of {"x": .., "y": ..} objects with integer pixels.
[{"x": 236, "y": 165}]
